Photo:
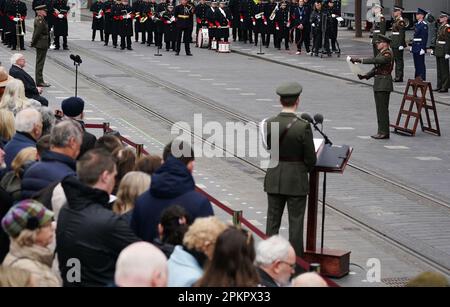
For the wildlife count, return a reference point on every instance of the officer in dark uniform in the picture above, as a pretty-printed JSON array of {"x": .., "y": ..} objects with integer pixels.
[
  {"x": 419, "y": 44},
  {"x": 211, "y": 19},
  {"x": 136, "y": 7},
  {"x": 379, "y": 27},
  {"x": 270, "y": 11},
  {"x": 287, "y": 180},
  {"x": 383, "y": 86},
  {"x": 184, "y": 14},
  {"x": 125, "y": 24},
  {"x": 317, "y": 25},
  {"x": 170, "y": 28},
  {"x": 260, "y": 22},
  {"x": 282, "y": 26},
  {"x": 16, "y": 13},
  {"x": 146, "y": 11},
  {"x": 398, "y": 42},
  {"x": 60, "y": 10},
  {"x": 160, "y": 9},
  {"x": 234, "y": 6},
  {"x": 108, "y": 19},
  {"x": 246, "y": 12},
  {"x": 442, "y": 53},
  {"x": 3, "y": 21},
  {"x": 200, "y": 16},
  {"x": 332, "y": 25},
  {"x": 40, "y": 41},
  {"x": 98, "y": 18}
]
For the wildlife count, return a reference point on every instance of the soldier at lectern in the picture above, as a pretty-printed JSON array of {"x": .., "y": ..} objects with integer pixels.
[{"x": 288, "y": 182}]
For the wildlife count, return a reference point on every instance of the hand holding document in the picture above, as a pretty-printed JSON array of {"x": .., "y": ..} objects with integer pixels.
[{"x": 354, "y": 68}]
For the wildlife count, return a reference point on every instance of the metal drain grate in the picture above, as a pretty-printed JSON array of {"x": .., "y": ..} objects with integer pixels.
[{"x": 396, "y": 282}]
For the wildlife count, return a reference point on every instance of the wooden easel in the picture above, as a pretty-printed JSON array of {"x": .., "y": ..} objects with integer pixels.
[{"x": 417, "y": 98}]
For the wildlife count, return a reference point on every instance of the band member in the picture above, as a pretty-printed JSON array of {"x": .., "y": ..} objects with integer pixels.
[
  {"x": 60, "y": 25},
  {"x": 98, "y": 18},
  {"x": 235, "y": 23},
  {"x": 260, "y": 22},
  {"x": 170, "y": 29},
  {"x": 40, "y": 41},
  {"x": 136, "y": 7},
  {"x": 379, "y": 26},
  {"x": 160, "y": 9},
  {"x": 282, "y": 26},
  {"x": 442, "y": 53},
  {"x": 270, "y": 13},
  {"x": 124, "y": 15},
  {"x": 398, "y": 42},
  {"x": 302, "y": 15},
  {"x": 200, "y": 16},
  {"x": 16, "y": 12},
  {"x": 3, "y": 21},
  {"x": 146, "y": 11},
  {"x": 419, "y": 44},
  {"x": 246, "y": 12},
  {"x": 108, "y": 18},
  {"x": 223, "y": 21},
  {"x": 333, "y": 13},
  {"x": 317, "y": 26},
  {"x": 211, "y": 19},
  {"x": 184, "y": 15},
  {"x": 116, "y": 22}
]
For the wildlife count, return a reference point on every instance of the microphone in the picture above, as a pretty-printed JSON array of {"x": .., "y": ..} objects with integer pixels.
[
  {"x": 76, "y": 58},
  {"x": 307, "y": 117},
  {"x": 318, "y": 118}
]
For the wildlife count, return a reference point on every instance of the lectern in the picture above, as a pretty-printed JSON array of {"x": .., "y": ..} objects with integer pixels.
[{"x": 330, "y": 159}]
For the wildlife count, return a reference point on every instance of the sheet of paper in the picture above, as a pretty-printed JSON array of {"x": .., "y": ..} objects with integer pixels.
[
  {"x": 355, "y": 68},
  {"x": 318, "y": 143}
]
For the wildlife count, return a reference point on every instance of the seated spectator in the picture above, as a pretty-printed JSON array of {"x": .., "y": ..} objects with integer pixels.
[
  {"x": 42, "y": 145},
  {"x": 73, "y": 107},
  {"x": 103, "y": 234},
  {"x": 172, "y": 184},
  {"x": 7, "y": 129},
  {"x": 4, "y": 79},
  {"x": 58, "y": 162},
  {"x": 275, "y": 258},
  {"x": 232, "y": 261},
  {"x": 48, "y": 120},
  {"x": 148, "y": 164},
  {"x": 11, "y": 181},
  {"x": 2, "y": 162},
  {"x": 125, "y": 163},
  {"x": 188, "y": 260},
  {"x": 141, "y": 265},
  {"x": 131, "y": 186},
  {"x": 14, "y": 277},
  {"x": 309, "y": 279},
  {"x": 13, "y": 98},
  {"x": 108, "y": 142},
  {"x": 17, "y": 71},
  {"x": 28, "y": 131},
  {"x": 428, "y": 279},
  {"x": 171, "y": 228},
  {"x": 6, "y": 203},
  {"x": 29, "y": 226}
]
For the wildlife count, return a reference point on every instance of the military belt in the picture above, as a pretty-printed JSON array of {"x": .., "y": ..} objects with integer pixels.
[{"x": 441, "y": 42}]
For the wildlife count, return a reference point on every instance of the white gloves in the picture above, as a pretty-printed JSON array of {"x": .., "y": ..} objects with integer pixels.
[
  {"x": 277, "y": 28},
  {"x": 432, "y": 52},
  {"x": 333, "y": 15},
  {"x": 254, "y": 23},
  {"x": 422, "y": 52},
  {"x": 16, "y": 19},
  {"x": 313, "y": 25},
  {"x": 401, "y": 48},
  {"x": 61, "y": 16},
  {"x": 99, "y": 16},
  {"x": 447, "y": 56},
  {"x": 128, "y": 16},
  {"x": 172, "y": 18}
]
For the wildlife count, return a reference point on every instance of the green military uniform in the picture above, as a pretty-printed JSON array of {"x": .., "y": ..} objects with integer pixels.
[
  {"x": 379, "y": 28},
  {"x": 287, "y": 182},
  {"x": 383, "y": 85},
  {"x": 398, "y": 44},
  {"x": 40, "y": 42},
  {"x": 442, "y": 53}
]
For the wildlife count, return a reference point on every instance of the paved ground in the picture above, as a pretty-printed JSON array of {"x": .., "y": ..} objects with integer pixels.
[{"x": 246, "y": 84}]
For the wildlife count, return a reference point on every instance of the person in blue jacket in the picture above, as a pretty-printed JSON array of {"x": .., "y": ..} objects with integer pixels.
[{"x": 419, "y": 44}]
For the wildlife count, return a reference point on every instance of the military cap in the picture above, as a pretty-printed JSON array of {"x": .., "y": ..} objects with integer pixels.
[
  {"x": 421, "y": 11},
  {"x": 383, "y": 39},
  {"x": 291, "y": 89},
  {"x": 444, "y": 14},
  {"x": 398, "y": 8},
  {"x": 41, "y": 7}
]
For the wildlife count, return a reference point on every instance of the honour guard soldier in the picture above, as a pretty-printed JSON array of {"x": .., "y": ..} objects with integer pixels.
[
  {"x": 16, "y": 12},
  {"x": 40, "y": 41},
  {"x": 236, "y": 24},
  {"x": 282, "y": 26},
  {"x": 170, "y": 29},
  {"x": 419, "y": 44},
  {"x": 98, "y": 18},
  {"x": 383, "y": 86},
  {"x": 60, "y": 25},
  {"x": 246, "y": 12},
  {"x": 184, "y": 15},
  {"x": 302, "y": 15},
  {"x": 116, "y": 22},
  {"x": 147, "y": 12},
  {"x": 125, "y": 24},
  {"x": 442, "y": 53},
  {"x": 200, "y": 16},
  {"x": 223, "y": 21},
  {"x": 108, "y": 6},
  {"x": 379, "y": 27},
  {"x": 136, "y": 7},
  {"x": 260, "y": 22},
  {"x": 398, "y": 42},
  {"x": 317, "y": 22},
  {"x": 287, "y": 181},
  {"x": 211, "y": 19}
]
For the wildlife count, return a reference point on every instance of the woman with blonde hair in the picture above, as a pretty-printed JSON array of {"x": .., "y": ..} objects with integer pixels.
[
  {"x": 14, "y": 98},
  {"x": 7, "y": 128},
  {"x": 132, "y": 185},
  {"x": 29, "y": 227},
  {"x": 11, "y": 182}
]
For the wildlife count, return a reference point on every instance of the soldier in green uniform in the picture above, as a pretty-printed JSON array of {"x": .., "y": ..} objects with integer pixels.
[
  {"x": 379, "y": 27},
  {"x": 40, "y": 41},
  {"x": 287, "y": 182},
  {"x": 383, "y": 85},
  {"x": 398, "y": 42},
  {"x": 442, "y": 53}
]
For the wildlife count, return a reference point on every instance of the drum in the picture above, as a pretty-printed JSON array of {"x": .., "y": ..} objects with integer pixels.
[
  {"x": 214, "y": 44},
  {"x": 203, "y": 38},
  {"x": 224, "y": 47}
]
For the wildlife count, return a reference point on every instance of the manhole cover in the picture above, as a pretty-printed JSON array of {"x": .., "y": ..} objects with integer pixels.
[{"x": 397, "y": 282}]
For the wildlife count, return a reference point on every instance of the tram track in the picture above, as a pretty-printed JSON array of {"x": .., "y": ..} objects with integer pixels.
[{"x": 235, "y": 115}]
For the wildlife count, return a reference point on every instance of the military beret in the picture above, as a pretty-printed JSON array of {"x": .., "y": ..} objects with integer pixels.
[
  {"x": 40, "y": 7},
  {"x": 72, "y": 106},
  {"x": 291, "y": 89},
  {"x": 383, "y": 39}
]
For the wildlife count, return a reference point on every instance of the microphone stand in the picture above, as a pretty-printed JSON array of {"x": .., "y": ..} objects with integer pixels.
[{"x": 76, "y": 77}]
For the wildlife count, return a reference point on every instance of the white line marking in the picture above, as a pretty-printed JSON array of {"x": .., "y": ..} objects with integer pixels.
[
  {"x": 343, "y": 128},
  {"x": 428, "y": 159},
  {"x": 95, "y": 118},
  {"x": 233, "y": 89},
  {"x": 264, "y": 99},
  {"x": 201, "y": 186},
  {"x": 396, "y": 147},
  {"x": 247, "y": 94}
]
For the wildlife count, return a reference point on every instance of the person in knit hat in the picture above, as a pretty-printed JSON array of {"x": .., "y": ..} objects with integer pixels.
[{"x": 29, "y": 227}]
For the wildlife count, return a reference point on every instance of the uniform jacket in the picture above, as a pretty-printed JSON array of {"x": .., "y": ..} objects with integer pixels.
[
  {"x": 98, "y": 16},
  {"x": 40, "y": 34},
  {"x": 442, "y": 46},
  {"x": 200, "y": 13},
  {"x": 184, "y": 15},
  {"x": 420, "y": 37},
  {"x": 297, "y": 157},
  {"x": 398, "y": 33},
  {"x": 60, "y": 25},
  {"x": 384, "y": 63}
]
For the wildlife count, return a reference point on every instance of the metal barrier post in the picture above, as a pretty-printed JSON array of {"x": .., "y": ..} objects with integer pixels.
[
  {"x": 139, "y": 150},
  {"x": 105, "y": 127},
  {"x": 237, "y": 215}
]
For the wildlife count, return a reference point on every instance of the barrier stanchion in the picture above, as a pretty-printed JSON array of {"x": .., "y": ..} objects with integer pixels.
[{"x": 237, "y": 215}]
